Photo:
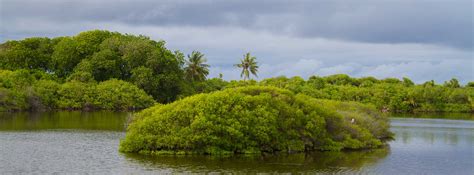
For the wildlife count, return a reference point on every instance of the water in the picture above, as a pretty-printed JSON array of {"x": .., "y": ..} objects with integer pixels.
[{"x": 75, "y": 142}]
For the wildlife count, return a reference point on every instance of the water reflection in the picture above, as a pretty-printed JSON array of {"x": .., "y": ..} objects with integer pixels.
[
  {"x": 445, "y": 115},
  {"x": 433, "y": 131},
  {"x": 352, "y": 161},
  {"x": 87, "y": 143},
  {"x": 64, "y": 120}
]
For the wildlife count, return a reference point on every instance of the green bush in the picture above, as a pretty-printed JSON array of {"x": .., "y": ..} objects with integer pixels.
[
  {"x": 47, "y": 92},
  {"x": 12, "y": 100},
  {"x": 76, "y": 95},
  {"x": 118, "y": 94},
  {"x": 254, "y": 119},
  {"x": 111, "y": 94},
  {"x": 22, "y": 90}
]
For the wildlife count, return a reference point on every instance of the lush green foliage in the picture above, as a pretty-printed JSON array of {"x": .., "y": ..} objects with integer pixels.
[
  {"x": 254, "y": 119},
  {"x": 388, "y": 94},
  {"x": 104, "y": 55},
  {"x": 196, "y": 69},
  {"x": 41, "y": 68},
  {"x": 248, "y": 64},
  {"x": 36, "y": 90}
]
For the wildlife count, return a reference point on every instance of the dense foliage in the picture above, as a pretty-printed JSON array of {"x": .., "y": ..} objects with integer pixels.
[
  {"x": 51, "y": 66},
  {"x": 104, "y": 55},
  {"x": 36, "y": 90},
  {"x": 254, "y": 119},
  {"x": 389, "y": 94}
]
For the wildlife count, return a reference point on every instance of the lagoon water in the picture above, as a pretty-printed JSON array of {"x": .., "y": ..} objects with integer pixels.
[{"x": 87, "y": 142}]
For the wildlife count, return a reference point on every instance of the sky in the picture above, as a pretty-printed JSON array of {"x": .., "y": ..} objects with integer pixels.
[{"x": 419, "y": 39}]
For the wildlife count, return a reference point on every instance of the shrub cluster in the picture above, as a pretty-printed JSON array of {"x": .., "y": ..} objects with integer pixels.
[
  {"x": 33, "y": 90},
  {"x": 389, "y": 94},
  {"x": 103, "y": 55},
  {"x": 254, "y": 119}
]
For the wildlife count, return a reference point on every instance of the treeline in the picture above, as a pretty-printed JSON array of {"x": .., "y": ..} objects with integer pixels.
[
  {"x": 36, "y": 90},
  {"x": 101, "y": 55},
  {"x": 389, "y": 95},
  {"x": 108, "y": 70}
]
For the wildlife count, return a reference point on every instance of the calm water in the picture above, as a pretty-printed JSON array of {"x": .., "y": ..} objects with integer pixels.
[{"x": 76, "y": 142}]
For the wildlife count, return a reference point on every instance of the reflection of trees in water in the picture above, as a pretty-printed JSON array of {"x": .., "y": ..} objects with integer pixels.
[
  {"x": 445, "y": 115},
  {"x": 102, "y": 120},
  {"x": 429, "y": 135},
  {"x": 346, "y": 161}
]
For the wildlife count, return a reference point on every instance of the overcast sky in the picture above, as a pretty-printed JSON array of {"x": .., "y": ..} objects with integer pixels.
[{"x": 420, "y": 39}]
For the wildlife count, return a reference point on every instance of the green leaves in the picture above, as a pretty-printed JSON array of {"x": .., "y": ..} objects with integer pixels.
[
  {"x": 196, "y": 69},
  {"x": 248, "y": 65},
  {"x": 389, "y": 94},
  {"x": 33, "y": 90},
  {"x": 252, "y": 119},
  {"x": 111, "y": 94},
  {"x": 103, "y": 55}
]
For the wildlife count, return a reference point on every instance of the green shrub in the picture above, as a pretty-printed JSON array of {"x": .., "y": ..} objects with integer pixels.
[
  {"x": 118, "y": 94},
  {"x": 75, "y": 95},
  {"x": 111, "y": 94},
  {"x": 11, "y": 100},
  {"x": 47, "y": 91},
  {"x": 254, "y": 119}
]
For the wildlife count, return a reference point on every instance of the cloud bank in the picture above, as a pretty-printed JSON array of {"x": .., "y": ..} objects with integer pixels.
[{"x": 423, "y": 39}]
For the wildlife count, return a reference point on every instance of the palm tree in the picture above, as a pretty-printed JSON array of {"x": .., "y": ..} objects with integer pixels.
[
  {"x": 196, "y": 69},
  {"x": 248, "y": 65}
]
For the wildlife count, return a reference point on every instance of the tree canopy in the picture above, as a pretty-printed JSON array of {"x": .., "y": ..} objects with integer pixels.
[
  {"x": 254, "y": 119},
  {"x": 104, "y": 55},
  {"x": 96, "y": 56},
  {"x": 248, "y": 65}
]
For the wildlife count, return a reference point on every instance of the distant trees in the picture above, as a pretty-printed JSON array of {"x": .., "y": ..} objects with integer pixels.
[
  {"x": 453, "y": 83},
  {"x": 103, "y": 55},
  {"x": 470, "y": 84},
  {"x": 36, "y": 72},
  {"x": 248, "y": 65},
  {"x": 35, "y": 90},
  {"x": 407, "y": 82},
  {"x": 196, "y": 69},
  {"x": 390, "y": 94}
]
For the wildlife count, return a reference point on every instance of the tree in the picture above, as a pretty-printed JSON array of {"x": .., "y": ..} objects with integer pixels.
[
  {"x": 196, "y": 69},
  {"x": 65, "y": 57},
  {"x": 429, "y": 83},
  {"x": 30, "y": 53},
  {"x": 470, "y": 84},
  {"x": 407, "y": 82},
  {"x": 248, "y": 65},
  {"x": 453, "y": 83}
]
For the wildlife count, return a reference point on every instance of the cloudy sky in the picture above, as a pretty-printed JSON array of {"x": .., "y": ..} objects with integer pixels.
[{"x": 420, "y": 39}]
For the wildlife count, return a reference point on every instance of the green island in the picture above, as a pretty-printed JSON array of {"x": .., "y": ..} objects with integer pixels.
[
  {"x": 254, "y": 119},
  {"x": 189, "y": 113}
]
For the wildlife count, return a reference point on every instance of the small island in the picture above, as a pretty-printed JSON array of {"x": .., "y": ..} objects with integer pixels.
[{"x": 254, "y": 119}]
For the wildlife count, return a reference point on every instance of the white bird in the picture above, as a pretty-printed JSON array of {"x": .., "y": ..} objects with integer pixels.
[{"x": 353, "y": 120}]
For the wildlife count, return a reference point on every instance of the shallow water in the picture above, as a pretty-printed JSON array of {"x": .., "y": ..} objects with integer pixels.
[{"x": 77, "y": 142}]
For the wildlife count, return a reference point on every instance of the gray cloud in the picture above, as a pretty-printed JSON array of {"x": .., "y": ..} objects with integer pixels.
[
  {"x": 388, "y": 21},
  {"x": 423, "y": 39}
]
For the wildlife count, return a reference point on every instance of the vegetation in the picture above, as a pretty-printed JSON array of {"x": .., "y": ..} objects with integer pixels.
[
  {"x": 254, "y": 119},
  {"x": 196, "y": 69},
  {"x": 248, "y": 65},
  {"x": 68, "y": 73},
  {"x": 104, "y": 55},
  {"x": 388, "y": 94},
  {"x": 35, "y": 90}
]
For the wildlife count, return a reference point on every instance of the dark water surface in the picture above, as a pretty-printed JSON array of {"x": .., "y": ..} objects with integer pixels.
[{"x": 87, "y": 142}]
